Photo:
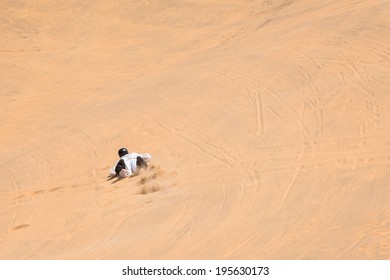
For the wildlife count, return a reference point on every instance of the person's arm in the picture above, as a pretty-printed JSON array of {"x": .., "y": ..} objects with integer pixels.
[{"x": 112, "y": 171}]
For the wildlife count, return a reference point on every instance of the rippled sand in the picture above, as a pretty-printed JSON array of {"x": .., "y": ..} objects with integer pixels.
[{"x": 268, "y": 123}]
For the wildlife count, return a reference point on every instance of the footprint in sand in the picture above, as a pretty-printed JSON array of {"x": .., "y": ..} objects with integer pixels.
[{"x": 20, "y": 227}]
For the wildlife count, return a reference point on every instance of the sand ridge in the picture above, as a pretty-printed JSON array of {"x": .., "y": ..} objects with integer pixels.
[{"x": 267, "y": 121}]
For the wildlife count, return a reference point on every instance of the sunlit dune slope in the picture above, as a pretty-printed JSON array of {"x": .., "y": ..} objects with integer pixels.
[{"x": 268, "y": 123}]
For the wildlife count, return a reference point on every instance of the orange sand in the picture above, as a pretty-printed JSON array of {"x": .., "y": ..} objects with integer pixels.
[{"x": 268, "y": 123}]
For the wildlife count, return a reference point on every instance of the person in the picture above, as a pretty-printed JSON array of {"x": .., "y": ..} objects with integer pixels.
[{"x": 129, "y": 163}]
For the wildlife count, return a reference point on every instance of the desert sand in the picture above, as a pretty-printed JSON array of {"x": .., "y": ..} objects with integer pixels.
[{"x": 268, "y": 123}]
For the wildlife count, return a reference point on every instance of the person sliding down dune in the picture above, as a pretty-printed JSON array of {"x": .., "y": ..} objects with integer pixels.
[{"x": 128, "y": 164}]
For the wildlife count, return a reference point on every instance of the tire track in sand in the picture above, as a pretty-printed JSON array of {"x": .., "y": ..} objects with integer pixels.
[
  {"x": 254, "y": 83},
  {"x": 292, "y": 112},
  {"x": 259, "y": 113},
  {"x": 314, "y": 88},
  {"x": 192, "y": 143},
  {"x": 317, "y": 103}
]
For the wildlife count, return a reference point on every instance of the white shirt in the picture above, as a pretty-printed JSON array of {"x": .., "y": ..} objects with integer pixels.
[{"x": 131, "y": 164}]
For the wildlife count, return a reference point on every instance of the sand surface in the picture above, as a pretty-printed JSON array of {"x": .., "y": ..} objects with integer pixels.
[{"x": 268, "y": 123}]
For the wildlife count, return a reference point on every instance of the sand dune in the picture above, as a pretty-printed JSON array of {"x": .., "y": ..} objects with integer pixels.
[{"x": 268, "y": 123}]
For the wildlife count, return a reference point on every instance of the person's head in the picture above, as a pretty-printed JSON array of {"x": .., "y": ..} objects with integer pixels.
[{"x": 122, "y": 152}]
